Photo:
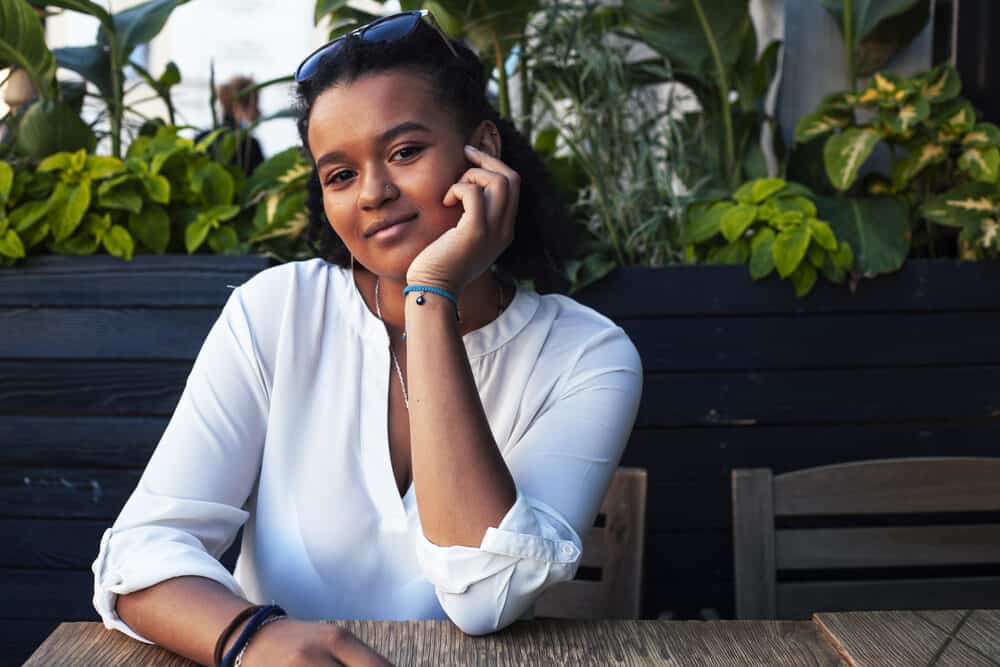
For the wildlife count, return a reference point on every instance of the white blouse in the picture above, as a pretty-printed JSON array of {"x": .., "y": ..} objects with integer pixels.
[{"x": 282, "y": 428}]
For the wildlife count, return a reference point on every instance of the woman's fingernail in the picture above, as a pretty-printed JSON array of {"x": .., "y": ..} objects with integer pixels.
[{"x": 471, "y": 149}]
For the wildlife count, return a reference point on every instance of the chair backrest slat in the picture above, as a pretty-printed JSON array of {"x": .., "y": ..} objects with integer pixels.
[
  {"x": 901, "y": 486},
  {"x": 614, "y": 548}
]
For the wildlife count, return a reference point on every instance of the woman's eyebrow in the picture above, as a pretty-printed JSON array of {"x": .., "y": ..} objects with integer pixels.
[{"x": 384, "y": 138}]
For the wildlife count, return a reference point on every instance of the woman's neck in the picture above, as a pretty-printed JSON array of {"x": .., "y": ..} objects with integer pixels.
[{"x": 479, "y": 303}]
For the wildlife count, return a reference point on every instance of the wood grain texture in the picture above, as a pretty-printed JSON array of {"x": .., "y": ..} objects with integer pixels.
[
  {"x": 895, "y": 546},
  {"x": 910, "y": 486},
  {"x": 921, "y": 286},
  {"x": 908, "y": 638},
  {"x": 797, "y": 600},
  {"x": 551, "y": 642},
  {"x": 147, "y": 280},
  {"x": 753, "y": 543}
]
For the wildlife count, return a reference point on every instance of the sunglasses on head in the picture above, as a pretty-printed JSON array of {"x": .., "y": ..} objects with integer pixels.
[{"x": 386, "y": 29}]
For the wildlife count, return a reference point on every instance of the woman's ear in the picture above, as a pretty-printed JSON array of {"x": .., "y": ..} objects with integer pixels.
[{"x": 487, "y": 139}]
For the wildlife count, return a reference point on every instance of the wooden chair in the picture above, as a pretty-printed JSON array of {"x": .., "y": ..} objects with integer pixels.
[
  {"x": 915, "y": 513},
  {"x": 612, "y": 549}
]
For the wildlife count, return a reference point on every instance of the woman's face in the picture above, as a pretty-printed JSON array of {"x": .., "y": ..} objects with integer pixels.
[{"x": 386, "y": 152}]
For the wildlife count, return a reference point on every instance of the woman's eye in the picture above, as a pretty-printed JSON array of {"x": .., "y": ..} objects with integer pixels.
[
  {"x": 338, "y": 177},
  {"x": 408, "y": 152}
]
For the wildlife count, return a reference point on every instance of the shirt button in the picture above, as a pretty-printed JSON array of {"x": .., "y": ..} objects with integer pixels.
[
  {"x": 568, "y": 550},
  {"x": 113, "y": 580}
]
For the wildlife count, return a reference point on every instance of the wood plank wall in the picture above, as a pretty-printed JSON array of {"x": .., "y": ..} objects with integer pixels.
[
  {"x": 743, "y": 374},
  {"x": 95, "y": 354}
]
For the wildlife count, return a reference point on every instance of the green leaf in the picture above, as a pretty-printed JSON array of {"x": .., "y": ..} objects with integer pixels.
[
  {"x": 195, "y": 234},
  {"x": 765, "y": 187},
  {"x": 823, "y": 235},
  {"x": 124, "y": 198},
  {"x": 903, "y": 119},
  {"x": 221, "y": 213},
  {"x": 214, "y": 184},
  {"x": 790, "y": 248},
  {"x": 91, "y": 62},
  {"x": 816, "y": 255},
  {"x": 735, "y": 253},
  {"x": 6, "y": 183},
  {"x": 141, "y": 23},
  {"x": 52, "y": 127},
  {"x": 803, "y": 279},
  {"x": 11, "y": 245},
  {"x": 119, "y": 242},
  {"x": 844, "y": 257},
  {"x": 876, "y": 228},
  {"x": 961, "y": 207},
  {"x": 737, "y": 220},
  {"x": 796, "y": 203},
  {"x": 271, "y": 172},
  {"x": 28, "y": 213},
  {"x": 844, "y": 154},
  {"x": 158, "y": 188},
  {"x": 818, "y": 123},
  {"x": 22, "y": 44},
  {"x": 152, "y": 227},
  {"x": 704, "y": 221},
  {"x": 223, "y": 240},
  {"x": 762, "y": 254},
  {"x": 102, "y": 166},
  {"x": 66, "y": 218},
  {"x": 35, "y": 235},
  {"x": 983, "y": 164},
  {"x": 880, "y": 28}
]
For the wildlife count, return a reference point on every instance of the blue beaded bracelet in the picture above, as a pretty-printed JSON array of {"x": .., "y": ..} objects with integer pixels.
[
  {"x": 251, "y": 627},
  {"x": 433, "y": 290}
]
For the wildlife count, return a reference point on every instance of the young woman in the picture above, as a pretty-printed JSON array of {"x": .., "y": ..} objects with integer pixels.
[{"x": 402, "y": 433}]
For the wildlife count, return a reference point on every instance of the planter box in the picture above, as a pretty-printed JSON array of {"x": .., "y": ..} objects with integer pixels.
[{"x": 737, "y": 374}]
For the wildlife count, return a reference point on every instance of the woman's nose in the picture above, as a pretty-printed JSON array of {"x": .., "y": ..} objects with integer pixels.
[{"x": 376, "y": 190}]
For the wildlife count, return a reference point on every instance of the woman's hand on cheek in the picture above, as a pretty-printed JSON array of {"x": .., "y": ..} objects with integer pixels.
[{"x": 489, "y": 194}]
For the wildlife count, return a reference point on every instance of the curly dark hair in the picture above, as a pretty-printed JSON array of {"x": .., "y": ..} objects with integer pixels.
[{"x": 543, "y": 239}]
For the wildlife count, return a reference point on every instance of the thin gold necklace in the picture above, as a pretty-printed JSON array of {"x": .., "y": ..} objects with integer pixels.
[{"x": 395, "y": 361}]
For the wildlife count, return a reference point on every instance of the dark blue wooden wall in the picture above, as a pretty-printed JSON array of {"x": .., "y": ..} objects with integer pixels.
[{"x": 95, "y": 353}]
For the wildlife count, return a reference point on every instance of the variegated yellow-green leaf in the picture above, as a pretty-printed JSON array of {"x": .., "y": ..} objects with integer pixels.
[
  {"x": 844, "y": 154},
  {"x": 842, "y": 101},
  {"x": 790, "y": 248},
  {"x": 6, "y": 182},
  {"x": 803, "y": 279},
  {"x": 817, "y": 124},
  {"x": 763, "y": 188},
  {"x": 941, "y": 84},
  {"x": 67, "y": 217},
  {"x": 964, "y": 206},
  {"x": 921, "y": 156},
  {"x": 983, "y": 164},
  {"x": 903, "y": 119},
  {"x": 11, "y": 246},
  {"x": 737, "y": 220},
  {"x": 983, "y": 135},
  {"x": 954, "y": 118},
  {"x": 762, "y": 254},
  {"x": 56, "y": 162},
  {"x": 990, "y": 229},
  {"x": 823, "y": 235},
  {"x": 102, "y": 166}
]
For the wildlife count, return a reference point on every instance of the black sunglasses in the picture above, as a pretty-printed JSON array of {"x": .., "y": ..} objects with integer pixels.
[{"x": 386, "y": 29}]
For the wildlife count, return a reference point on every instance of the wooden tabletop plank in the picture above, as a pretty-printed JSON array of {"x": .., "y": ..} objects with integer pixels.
[
  {"x": 905, "y": 638},
  {"x": 548, "y": 642}
]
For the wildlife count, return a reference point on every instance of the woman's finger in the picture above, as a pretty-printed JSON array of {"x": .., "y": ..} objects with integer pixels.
[
  {"x": 353, "y": 652},
  {"x": 496, "y": 189},
  {"x": 513, "y": 189},
  {"x": 472, "y": 198}
]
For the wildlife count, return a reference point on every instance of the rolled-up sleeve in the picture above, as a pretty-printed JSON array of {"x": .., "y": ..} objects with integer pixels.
[
  {"x": 562, "y": 465},
  {"x": 188, "y": 505}
]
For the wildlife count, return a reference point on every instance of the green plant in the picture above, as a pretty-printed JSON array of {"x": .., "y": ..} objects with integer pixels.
[
  {"x": 875, "y": 30},
  {"x": 611, "y": 141},
  {"x": 774, "y": 227},
  {"x": 712, "y": 49},
  {"x": 937, "y": 149}
]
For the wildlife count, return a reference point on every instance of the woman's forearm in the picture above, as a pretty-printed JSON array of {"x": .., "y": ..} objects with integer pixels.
[
  {"x": 184, "y": 615},
  {"x": 462, "y": 483}
]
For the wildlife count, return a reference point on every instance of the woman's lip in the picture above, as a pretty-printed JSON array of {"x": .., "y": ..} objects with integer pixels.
[{"x": 391, "y": 229}]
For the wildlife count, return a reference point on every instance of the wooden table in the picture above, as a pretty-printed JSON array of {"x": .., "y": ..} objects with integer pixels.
[{"x": 878, "y": 639}]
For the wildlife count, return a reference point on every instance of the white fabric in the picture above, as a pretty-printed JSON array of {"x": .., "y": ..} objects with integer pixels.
[{"x": 282, "y": 428}]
